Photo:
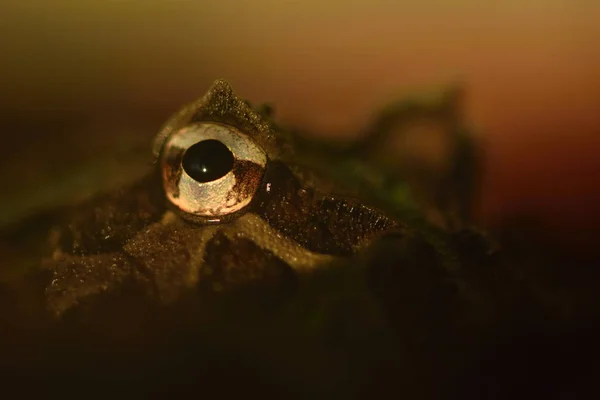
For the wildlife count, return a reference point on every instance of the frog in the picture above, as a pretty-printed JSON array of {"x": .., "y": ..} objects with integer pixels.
[
  {"x": 232, "y": 235},
  {"x": 226, "y": 207},
  {"x": 321, "y": 284}
]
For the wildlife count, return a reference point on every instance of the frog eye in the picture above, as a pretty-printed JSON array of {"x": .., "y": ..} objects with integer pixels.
[{"x": 211, "y": 170}]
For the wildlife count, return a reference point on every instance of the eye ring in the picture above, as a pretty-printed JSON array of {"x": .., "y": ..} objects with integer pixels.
[{"x": 211, "y": 170}]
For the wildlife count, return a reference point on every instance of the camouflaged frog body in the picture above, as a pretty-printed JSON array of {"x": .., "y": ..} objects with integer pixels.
[{"x": 160, "y": 237}]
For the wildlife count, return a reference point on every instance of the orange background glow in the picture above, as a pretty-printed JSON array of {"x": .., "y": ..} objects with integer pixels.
[{"x": 532, "y": 66}]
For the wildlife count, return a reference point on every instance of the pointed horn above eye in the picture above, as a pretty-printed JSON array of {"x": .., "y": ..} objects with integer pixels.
[
  {"x": 218, "y": 104},
  {"x": 219, "y": 88}
]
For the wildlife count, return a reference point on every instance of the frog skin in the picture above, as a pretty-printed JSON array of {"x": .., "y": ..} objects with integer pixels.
[
  {"x": 428, "y": 327},
  {"x": 135, "y": 239}
]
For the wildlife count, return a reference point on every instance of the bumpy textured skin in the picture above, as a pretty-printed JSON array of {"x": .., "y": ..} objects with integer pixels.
[
  {"x": 220, "y": 104},
  {"x": 132, "y": 239}
]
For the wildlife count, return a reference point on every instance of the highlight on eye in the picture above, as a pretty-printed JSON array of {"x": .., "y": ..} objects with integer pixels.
[{"x": 211, "y": 170}]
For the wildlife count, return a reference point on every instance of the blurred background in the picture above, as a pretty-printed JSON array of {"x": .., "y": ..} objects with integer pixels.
[{"x": 81, "y": 79}]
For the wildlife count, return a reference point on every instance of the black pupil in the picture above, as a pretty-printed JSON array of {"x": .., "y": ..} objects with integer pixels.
[{"x": 207, "y": 160}]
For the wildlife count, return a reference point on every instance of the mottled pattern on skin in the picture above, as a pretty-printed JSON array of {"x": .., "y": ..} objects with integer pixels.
[
  {"x": 321, "y": 223},
  {"x": 252, "y": 227},
  {"x": 132, "y": 237},
  {"x": 76, "y": 278},
  {"x": 170, "y": 253},
  {"x": 241, "y": 266},
  {"x": 108, "y": 221}
]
